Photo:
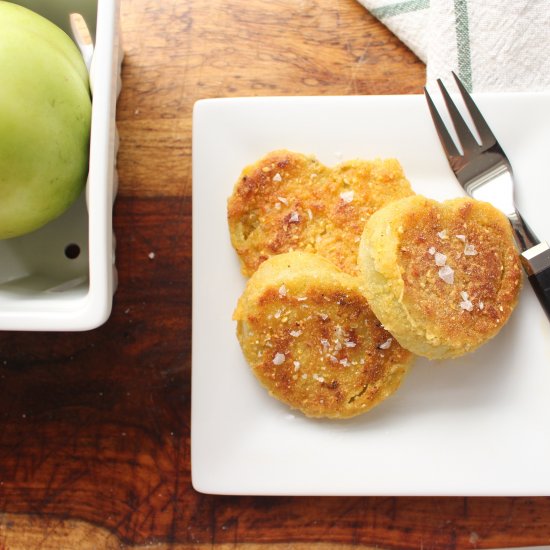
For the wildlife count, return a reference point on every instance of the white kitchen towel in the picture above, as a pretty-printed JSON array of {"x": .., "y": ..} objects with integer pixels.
[
  {"x": 493, "y": 45},
  {"x": 408, "y": 20}
]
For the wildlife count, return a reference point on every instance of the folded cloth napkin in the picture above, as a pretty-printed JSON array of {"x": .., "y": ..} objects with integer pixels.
[{"x": 493, "y": 45}]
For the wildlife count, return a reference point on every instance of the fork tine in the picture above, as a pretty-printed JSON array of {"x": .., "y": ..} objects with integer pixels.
[
  {"x": 487, "y": 137},
  {"x": 465, "y": 136},
  {"x": 444, "y": 136}
]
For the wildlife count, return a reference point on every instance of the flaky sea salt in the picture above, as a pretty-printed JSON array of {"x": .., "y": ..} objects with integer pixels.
[
  {"x": 283, "y": 200},
  {"x": 282, "y": 290},
  {"x": 470, "y": 250},
  {"x": 347, "y": 196},
  {"x": 294, "y": 217},
  {"x": 277, "y": 177},
  {"x": 295, "y": 333},
  {"x": 440, "y": 259},
  {"x": 481, "y": 305},
  {"x": 386, "y": 344},
  {"x": 296, "y": 365},
  {"x": 442, "y": 234},
  {"x": 279, "y": 359},
  {"x": 431, "y": 250},
  {"x": 324, "y": 342},
  {"x": 350, "y": 344},
  {"x": 461, "y": 237},
  {"x": 447, "y": 274},
  {"x": 466, "y": 302}
]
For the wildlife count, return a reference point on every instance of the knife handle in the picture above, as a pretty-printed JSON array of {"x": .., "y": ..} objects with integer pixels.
[{"x": 536, "y": 261}]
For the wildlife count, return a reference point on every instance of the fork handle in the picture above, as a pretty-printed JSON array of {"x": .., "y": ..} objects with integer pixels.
[
  {"x": 523, "y": 234},
  {"x": 536, "y": 261}
]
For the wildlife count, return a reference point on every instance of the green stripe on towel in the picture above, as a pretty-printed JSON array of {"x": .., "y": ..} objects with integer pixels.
[
  {"x": 463, "y": 43},
  {"x": 400, "y": 7}
]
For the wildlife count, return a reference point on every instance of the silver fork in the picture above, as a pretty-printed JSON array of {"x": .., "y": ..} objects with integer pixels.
[{"x": 485, "y": 173}]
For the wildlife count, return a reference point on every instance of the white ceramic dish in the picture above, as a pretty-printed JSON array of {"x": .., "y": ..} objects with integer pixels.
[
  {"x": 478, "y": 425},
  {"x": 41, "y": 286}
]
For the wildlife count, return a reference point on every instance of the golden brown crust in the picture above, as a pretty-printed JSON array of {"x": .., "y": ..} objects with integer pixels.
[
  {"x": 307, "y": 332},
  {"x": 288, "y": 201},
  {"x": 442, "y": 277}
]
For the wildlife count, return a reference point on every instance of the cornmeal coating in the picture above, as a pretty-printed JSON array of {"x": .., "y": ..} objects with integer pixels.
[
  {"x": 311, "y": 339},
  {"x": 288, "y": 201},
  {"x": 443, "y": 278}
]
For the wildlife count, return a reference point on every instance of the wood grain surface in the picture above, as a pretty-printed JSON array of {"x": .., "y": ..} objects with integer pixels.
[{"x": 94, "y": 426}]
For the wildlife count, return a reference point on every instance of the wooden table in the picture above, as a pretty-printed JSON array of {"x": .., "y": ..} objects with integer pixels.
[{"x": 94, "y": 427}]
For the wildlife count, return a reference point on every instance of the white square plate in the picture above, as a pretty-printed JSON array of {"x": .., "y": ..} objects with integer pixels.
[{"x": 477, "y": 425}]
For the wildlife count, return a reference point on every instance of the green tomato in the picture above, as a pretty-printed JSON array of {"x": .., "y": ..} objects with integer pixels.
[{"x": 45, "y": 116}]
